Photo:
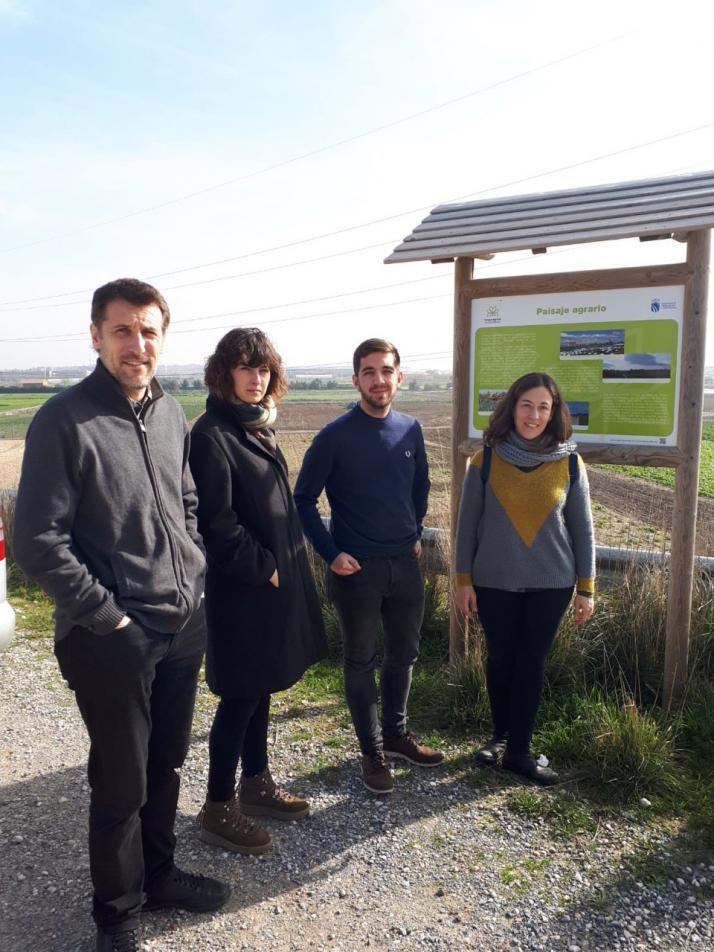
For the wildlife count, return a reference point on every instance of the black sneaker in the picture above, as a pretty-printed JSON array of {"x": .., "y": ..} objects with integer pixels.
[
  {"x": 187, "y": 891},
  {"x": 127, "y": 941}
]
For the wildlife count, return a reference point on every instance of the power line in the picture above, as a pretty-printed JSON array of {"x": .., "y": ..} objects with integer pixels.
[
  {"x": 327, "y": 297},
  {"x": 351, "y": 251},
  {"x": 9, "y": 306},
  {"x": 305, "y": 317},
  {"x": 313, "y": 152},
  {"x": 194, "y": 330},
  {"x": 227, "y": 277},
  {"x": 272, "y": 307}
]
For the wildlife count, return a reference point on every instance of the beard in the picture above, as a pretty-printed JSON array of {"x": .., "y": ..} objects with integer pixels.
[
  {"x": 377, "y": 401},
  {"x": 138, "y": 380}
]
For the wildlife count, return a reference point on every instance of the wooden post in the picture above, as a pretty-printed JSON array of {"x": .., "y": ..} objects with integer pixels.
[
  {"x": 684, "y": 515},
  {"x": 463, "y": 272}
]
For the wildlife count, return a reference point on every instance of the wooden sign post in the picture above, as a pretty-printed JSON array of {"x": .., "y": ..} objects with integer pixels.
[
  {"x": 684, "y": 515},
  {"x": 458, "y": 628},
  {"x": 684, "y": 457},
  {"x": 680, "y": 208}
]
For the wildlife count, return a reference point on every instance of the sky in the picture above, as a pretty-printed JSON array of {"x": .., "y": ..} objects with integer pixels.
[{"x": 257, "y": 162}]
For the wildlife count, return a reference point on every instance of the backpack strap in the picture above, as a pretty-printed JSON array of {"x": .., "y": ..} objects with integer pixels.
[
  {"x": 573, "y": 468},
  {"x": 486, "y": 464}
]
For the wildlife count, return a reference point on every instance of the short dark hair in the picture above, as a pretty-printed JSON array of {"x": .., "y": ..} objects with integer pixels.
[
  {"x": 132, "y": 291},
  {"x": 559, "y": 427},
  {"x": 375, "y": 345},
  {"x": 251, "y": 345}
]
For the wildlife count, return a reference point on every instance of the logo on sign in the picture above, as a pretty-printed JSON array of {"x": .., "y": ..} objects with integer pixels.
[{"x": 655, "y": 305}]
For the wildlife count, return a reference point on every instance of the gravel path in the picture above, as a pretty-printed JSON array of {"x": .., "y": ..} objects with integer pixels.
[{"x": 444, "y": 864}]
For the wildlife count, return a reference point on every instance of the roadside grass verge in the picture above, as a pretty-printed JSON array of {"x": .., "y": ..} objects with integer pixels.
[{"x": 33, "y": 610}]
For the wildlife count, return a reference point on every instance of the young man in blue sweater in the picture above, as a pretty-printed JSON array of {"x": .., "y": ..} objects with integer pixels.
[{"x": 372, "y": 464}]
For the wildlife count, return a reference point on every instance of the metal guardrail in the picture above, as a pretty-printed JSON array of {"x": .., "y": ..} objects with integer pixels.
[{"x": 609, "y": 558}]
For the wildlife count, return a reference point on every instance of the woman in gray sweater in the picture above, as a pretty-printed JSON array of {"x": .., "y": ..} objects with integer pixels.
[{"x": 524, "y": 541}]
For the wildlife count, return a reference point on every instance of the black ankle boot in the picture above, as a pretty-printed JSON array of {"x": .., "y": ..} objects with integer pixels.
[{"x": 527, "y": 766}]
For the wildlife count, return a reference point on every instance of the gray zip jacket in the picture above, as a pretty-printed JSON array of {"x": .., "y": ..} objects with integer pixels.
[{"x": 106, "y": 509}]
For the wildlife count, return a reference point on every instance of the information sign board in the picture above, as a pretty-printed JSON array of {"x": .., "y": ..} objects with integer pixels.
[{"x": 614, "y": 354}]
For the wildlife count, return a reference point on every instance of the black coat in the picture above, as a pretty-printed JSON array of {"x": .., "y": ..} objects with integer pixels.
[{"x": 260, "y": 638}]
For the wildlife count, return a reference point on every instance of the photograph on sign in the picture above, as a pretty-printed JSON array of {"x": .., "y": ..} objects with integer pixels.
[
  {"x": 585, "y": 345},
  {"x": 613, "y": 353}
]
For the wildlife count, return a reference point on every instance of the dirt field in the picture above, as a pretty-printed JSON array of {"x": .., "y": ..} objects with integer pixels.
[
  {"x": 628, "y": 512},
  {"x": 10, "y": 462}
]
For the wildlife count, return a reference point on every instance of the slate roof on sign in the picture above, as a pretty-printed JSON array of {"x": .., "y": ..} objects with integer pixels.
[{"x": 647, "y": 208}]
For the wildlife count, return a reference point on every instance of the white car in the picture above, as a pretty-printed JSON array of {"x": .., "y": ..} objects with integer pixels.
[{"x": 7, "y": 614}]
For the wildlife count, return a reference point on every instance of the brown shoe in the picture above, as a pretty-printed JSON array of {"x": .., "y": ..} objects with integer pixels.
[
  {"x": 407, "y": 747},
  {"x": 260, "y": 796},
  {"x": 376, "y": 775},
  {"x": 223, "y": 824}
]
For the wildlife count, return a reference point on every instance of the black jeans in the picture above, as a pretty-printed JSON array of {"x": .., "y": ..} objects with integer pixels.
[
  {"x": 239, "y": 732},
  {"x": 390, "y": 589},
  {"x": 135, "y": 689},
  {"x": 520, "y": 628}
]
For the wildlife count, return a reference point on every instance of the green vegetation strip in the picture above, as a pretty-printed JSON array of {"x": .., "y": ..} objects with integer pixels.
[
  {"x": 665, "y": 476},
  {"x": 21, "y": 401}
]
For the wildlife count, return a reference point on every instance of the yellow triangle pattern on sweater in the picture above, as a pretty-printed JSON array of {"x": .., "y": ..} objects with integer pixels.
[{"x": 528, "y": 498}]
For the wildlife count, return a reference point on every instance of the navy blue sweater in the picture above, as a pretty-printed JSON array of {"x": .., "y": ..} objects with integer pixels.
[{"x": 376, "y": 477}]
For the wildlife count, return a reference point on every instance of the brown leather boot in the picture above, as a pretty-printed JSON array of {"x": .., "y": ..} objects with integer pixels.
[
  {"x": 260, "y": 796},
  {"x": 223, "y": 824}
]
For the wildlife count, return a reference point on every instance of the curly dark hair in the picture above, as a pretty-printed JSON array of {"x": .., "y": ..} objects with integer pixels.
[
  {"x": 247, "y": 344},
  {"x": 559, "y": 427}
]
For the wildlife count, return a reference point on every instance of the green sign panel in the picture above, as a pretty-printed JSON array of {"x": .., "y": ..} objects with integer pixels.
[{"x": 614, "y": 355}]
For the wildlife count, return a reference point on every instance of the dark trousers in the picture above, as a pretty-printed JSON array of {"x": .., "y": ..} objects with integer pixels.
[
  {"x": 520, "y": 628},
  {"x": 239, "y": 732},
  {"x": 135, "y": 689},
  {"x": 390, "y": 590}
]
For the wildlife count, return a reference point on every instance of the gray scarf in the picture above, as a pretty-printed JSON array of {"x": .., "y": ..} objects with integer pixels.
[
  {"x": 519, "y": 452},
  {"x": 255, "y": 416}
]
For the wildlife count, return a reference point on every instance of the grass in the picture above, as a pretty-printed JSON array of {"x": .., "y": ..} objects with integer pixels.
[
  {"x": 665, "y": 476},
  {"x": 193, "y": 403},
  {"x": 15, "y": 427},
  {"x": 16, "y": 412},
  {"x": 565, "y": 815},
  {"x": 21, "y": 401},
  {"x": 524, "y": 876},
  {"x": 33, "y": 610}
]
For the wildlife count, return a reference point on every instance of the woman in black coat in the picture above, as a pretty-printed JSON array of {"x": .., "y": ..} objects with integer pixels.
[{"x": 264, "y": 620}]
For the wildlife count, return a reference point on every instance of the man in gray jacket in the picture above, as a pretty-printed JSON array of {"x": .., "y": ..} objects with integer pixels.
[{"x": 106, "y": 524}]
